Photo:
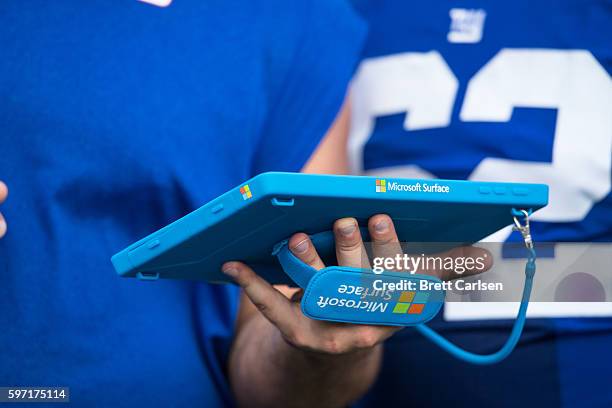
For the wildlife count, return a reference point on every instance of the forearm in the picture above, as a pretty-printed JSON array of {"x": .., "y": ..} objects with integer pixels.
[{"x": 266, "y": 370}]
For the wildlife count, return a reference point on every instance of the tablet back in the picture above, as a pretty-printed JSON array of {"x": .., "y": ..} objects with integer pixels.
[{"x": 246, "y": 222}]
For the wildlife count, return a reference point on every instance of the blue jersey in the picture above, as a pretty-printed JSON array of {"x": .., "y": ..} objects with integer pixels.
[
  {"x": 116, "y": 119},
  {"x": 501, "y": 91}
]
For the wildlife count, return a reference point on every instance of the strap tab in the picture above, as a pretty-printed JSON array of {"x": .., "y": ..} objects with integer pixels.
[{"x": 352, "y": 295}]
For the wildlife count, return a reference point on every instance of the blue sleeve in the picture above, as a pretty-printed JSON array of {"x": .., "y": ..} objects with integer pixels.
[{"x": 308, "y": 89}]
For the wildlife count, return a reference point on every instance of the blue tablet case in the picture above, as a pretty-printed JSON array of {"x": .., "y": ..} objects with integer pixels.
[{"x": 248, "y": 221}]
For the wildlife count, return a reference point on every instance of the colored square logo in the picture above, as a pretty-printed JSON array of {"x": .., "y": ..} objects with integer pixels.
[
  {"x": 401, "y": 308},
  {"x": 381, "y": 185},
  {"x": 246, "y": 192},
  {"x": 421, "y": 297},
  {"x": 411, "y": 302},
  {"x": 406, "y": 297},
  {"x": 416, "y": 308}
]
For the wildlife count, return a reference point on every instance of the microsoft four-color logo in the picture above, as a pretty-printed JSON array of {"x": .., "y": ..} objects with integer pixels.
[
  {"x": 381, "y": 186},
  {"x": 411, "y": 302},
  {"x": 246, "y": 192}
]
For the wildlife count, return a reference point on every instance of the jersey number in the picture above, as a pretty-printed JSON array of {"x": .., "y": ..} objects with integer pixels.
[{"x": 572, "y": 81}]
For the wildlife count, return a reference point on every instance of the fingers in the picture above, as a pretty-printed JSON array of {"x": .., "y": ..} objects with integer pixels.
[
  {"x": 349, "y": 245},
  {"x": 301, "y": 246},
  {"x": 3, "y": 192},
  {"x": 269, "y": 301},
  {"x": 350, "y": 250},
  {"x": 385, "y": 243},
  {"x": 2, "y": 226},
  {"x": 3, "y": 195}
]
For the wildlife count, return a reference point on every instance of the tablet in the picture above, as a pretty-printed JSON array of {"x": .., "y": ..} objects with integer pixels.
[{"x": 246, "y": 223}]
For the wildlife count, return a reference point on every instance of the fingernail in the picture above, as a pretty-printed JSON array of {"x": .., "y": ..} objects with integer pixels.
[
  {"x": 381, "y": 226},
  {"x": 301, "y": 247},
  {"x": 347, "y": 230},
  {"x": 230, "y": 270}
]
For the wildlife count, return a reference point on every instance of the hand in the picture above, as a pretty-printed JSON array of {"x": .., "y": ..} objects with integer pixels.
[
  {"x": 285, "y": 313},
  {"x": 3, "y": 195}
]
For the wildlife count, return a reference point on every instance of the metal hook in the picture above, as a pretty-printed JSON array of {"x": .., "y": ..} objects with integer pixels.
[{"x": 524, "y": 229}]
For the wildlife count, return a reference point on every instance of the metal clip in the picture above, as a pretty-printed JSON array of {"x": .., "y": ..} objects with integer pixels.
[{"x": 524, "y": 229}]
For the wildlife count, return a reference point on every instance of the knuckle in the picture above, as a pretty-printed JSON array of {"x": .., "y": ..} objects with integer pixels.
[
  {"x": 366, "y": 339},
  {"x": 331, "y": 346},
  {"x": 383, "y": 241},
  {"x": 262, "y": 307},
  {"x": 243, "y": 280},
  {"x": 334, "y": 344},
  {"x": 310, "y": 257},
  {"x": 349, "y": 246},
  {"x": 295, "y": 338}
]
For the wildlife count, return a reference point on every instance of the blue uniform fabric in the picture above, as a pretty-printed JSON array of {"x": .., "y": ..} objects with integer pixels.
[
  {"x": 559, "y": 362},
  {"x": 116, "y": 119}
]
